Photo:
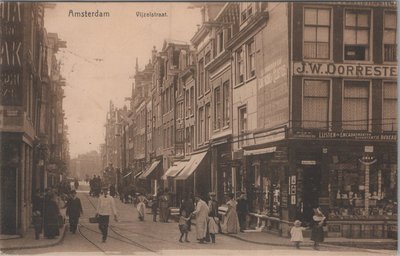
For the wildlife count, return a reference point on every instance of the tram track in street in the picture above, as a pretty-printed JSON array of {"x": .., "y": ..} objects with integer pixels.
[{"x": 129, "y": 240}]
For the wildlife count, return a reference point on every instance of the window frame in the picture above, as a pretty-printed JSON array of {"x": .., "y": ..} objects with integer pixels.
[
  {"x": 383, "y": 101},
  {"x": 240, "y": 130},
  {"x": 217, "y": 106},
  {"x": 226, "y": 104},
  {"x": 369, "y": 108},
  {"x": 249, "y": 54},
  {"x": 240, "y": 78},
  {"x": 200, "y": 125},
  {"x": 370, "y": 41},
  {"x": 384, "y": 30},
  {"x": 248, "y": 11},
  {"x": 329, "y": 97},
  {"x": 317, "y": 26},
  {"x": 201, "y": 77}
]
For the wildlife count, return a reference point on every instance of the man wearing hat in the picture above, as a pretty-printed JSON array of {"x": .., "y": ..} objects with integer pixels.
[
  {"x": 105, "y": 207},
  {"x": 74, "y": 211}
]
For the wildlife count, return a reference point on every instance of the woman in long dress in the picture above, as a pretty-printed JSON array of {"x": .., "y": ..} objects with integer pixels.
[
  {"x": 201, "y": 214},
  {"x": 141, "y": 206},
  {"x": 317, "y": 231},
  {"x": 51, "y": 213},
  {"x": 231, "y": 223}
]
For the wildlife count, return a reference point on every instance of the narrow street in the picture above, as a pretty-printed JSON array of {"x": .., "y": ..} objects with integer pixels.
[{"x": 129, "y": 236}]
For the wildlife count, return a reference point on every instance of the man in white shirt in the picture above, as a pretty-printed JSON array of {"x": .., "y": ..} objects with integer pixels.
[{"x": 105, "y": 208}]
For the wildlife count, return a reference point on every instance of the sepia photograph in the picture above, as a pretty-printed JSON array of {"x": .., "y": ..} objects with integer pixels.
[{"x": 198, "y": 128}]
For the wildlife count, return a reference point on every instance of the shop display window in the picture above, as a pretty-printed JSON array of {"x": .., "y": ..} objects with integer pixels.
[{"x": 349, "y": 192}]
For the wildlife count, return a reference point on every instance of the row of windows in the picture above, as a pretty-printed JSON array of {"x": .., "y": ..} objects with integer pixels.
[
  {"x": 356, "y": 113},
  {"x": 317, "y": 41}
]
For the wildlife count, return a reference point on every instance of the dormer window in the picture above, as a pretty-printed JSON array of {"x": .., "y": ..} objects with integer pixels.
[{"x": 246, "y": 10}]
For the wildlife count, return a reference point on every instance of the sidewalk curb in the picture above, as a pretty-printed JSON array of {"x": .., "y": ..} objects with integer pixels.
[
  {"x": 56, "y": 242},
  {"x": 325, "y": 244}
]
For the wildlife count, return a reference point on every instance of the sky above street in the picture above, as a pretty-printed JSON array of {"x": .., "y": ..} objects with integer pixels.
[{"x": 100, "y": 57}]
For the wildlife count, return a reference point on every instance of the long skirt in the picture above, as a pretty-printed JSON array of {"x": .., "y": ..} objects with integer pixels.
[
  {"x": 317, "y": 234},
  {"x": 140, "y": 207},
  {"x": 231, "y": 223},
  {"x": 213, "y": 225}
]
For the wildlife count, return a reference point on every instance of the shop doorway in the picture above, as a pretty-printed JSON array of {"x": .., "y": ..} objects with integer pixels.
[
  {"x": 311, "y": 190},
  {"x": 8, "y": 183}
]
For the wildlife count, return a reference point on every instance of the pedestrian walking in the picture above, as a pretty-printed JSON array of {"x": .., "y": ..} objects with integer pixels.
[
  {"x": 112, "y": 190},
  {"x": 76, "y": 184},
  {"x": 154, "y": 207},
  {"x": 74, "y": 211},
  {"x": 50, "y": 217},
  {"x": 296, "y": 233},
  {"x": 242, "y": 211},
  {"x": 201, "y": 215},
  {"x": 105, "y": 208},
  {"x": 188, "y": 206},
  {"x": 317, "y": 231},
  {"x": 231, "y": 223},
  {"x": 164, "y": 206},
  {"x": 183, "y": 226},
  {"x": 141, "y": 206},
  {"x": 213, "y": 220}
]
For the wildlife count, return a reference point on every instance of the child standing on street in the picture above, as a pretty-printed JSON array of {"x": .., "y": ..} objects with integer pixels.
[
  {"x": 297, "y": 233},
  {"x": 183, "y": 226}
]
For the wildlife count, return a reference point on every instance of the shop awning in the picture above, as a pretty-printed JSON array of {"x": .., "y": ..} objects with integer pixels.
[
  {"x": 259, "y": 151},
  {"x": 127, "y": 175},
  {"x": 175, "y": 169},
  {"x": 137, "y": 175},
  {"x": 191, "y": 166},
  {"x": 150, "y": 170}
]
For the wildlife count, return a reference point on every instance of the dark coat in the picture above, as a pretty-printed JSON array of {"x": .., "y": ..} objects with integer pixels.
[
  {"x": 213, "y": 205},
  {"x": 74, "y": 207},
  {"x": 51, "y": 213},
  {"x": 317, "y": 232},
  {"x": 242, "y": 206}
]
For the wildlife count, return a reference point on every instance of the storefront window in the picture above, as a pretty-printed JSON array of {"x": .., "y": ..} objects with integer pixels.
[{"x": 348, "y": 186}]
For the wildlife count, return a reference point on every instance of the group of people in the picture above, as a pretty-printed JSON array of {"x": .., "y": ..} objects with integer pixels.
[
  {"x": 209, "y": 221},
  {"x": 95, "y": 186},
  {"x": 317, "y": 231},
  {"x": 46, "y": 214}
]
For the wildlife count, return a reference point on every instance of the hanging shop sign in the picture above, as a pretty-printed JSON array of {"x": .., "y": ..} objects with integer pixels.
[
  {"x": 344, "y": 70},
  {"x": 345, "y": 135}
]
